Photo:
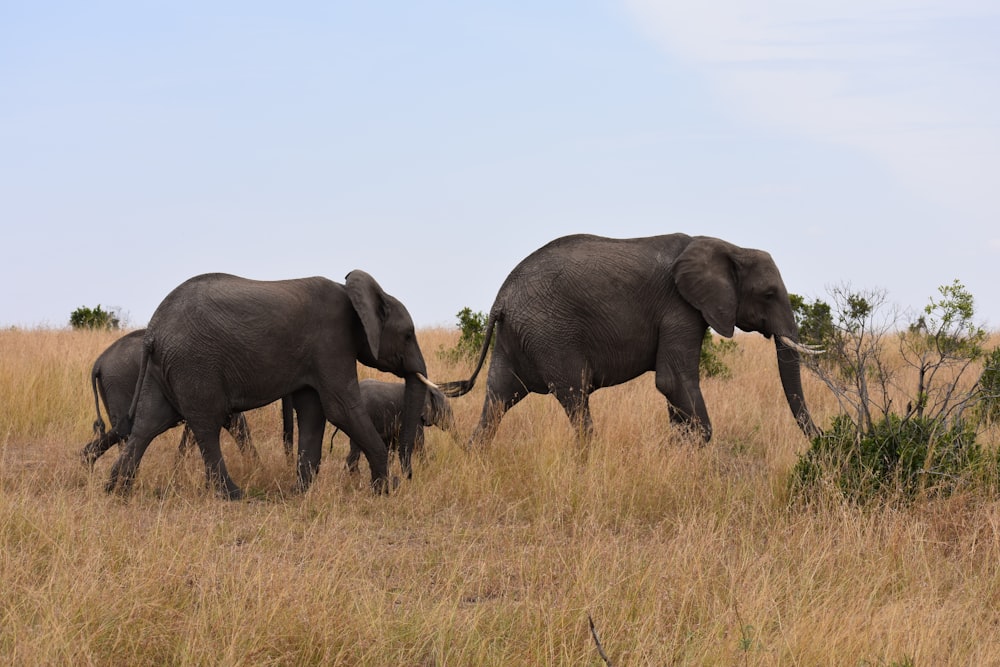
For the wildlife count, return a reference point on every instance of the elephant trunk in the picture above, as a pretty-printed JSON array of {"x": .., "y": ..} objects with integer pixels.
[
  {"x": 791, "y": 382},
  {"x": 414, "y": 395}
]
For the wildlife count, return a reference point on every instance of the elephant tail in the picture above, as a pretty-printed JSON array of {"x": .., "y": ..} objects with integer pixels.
[
  {"x": 462, "y": 387},
  {"x": 95, "y": 376},
  {"x": 124, "y": 428}
]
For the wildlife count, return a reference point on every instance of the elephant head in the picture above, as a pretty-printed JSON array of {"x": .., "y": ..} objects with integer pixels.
[
  {"x": 391, "y": 347},
  {"x": 437, "y": 411},
  {"x": 741, "y": 287}
]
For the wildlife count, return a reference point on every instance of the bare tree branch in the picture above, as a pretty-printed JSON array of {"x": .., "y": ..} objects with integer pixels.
[{"x": 600, "y": 649}]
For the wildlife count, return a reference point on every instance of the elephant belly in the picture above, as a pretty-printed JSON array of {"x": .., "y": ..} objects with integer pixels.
[
  {"x": 619, "y": 374},
  {"x": 594, "y": 365},
  {"x": 568, "y": 344}
]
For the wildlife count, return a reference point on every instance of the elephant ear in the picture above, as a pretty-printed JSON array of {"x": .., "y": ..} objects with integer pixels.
[
  {"x": 705, "y": 275},
  {"x": 368, "y": 300}
]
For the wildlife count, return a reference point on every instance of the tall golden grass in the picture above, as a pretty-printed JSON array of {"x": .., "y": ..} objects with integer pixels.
[{"x": 681, "y": 553}]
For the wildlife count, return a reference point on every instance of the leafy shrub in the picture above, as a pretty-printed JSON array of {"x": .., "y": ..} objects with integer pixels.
[
  {"x": 470, "y": 342},
  {"x": 989, "y": 387},
  {"x": 95, "y": 318},
  {"x": 712, "y": 352},
  {"x": 815, "y": 320},
  {"x": 895, "y": 456},
  {"x": 878, "y": 443}
]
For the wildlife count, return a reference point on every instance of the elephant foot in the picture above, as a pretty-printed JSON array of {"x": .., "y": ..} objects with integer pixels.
[
  {"x": 225, "y": 487},
  {"x": 407, "y": 467},
  {"x": 382, "y": 486},
  {"x": 122, "y": 489}
]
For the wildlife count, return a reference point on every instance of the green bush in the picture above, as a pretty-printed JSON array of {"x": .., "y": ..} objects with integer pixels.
[
  {"x": 713, "y": 350},
  {"x": 815, "y": 321},
  {"x": 95, "y": 318},
  {"x": 470, "y": 342},
  {"x": 989, "y": 387},
  {"x": 880, "y": 445},
  {"x": 904, "y": 457}
]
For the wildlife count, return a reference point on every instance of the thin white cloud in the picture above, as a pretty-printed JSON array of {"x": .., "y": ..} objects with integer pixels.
[{"x": 914, "y": 86}]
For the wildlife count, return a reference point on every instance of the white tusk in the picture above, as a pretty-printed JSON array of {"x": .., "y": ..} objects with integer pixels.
[
  {"x": 427, "y": 382},
  {"x": 798, "y": 347}
]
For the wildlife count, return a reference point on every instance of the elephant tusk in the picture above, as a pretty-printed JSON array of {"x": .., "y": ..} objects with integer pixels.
[
  {"x": 798, "y": 347},
  {"x": 427, "y": 382}
]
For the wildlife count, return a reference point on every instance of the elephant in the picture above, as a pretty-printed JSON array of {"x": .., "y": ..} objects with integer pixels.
[
  {"x": 220, "y": 344},
  {"x": 585, "y": 312},
  {"x": 383, "y": 402},
  {"x": 112, "y": 381}
]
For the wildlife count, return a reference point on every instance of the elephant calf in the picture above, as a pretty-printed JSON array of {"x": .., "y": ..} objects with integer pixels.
[
  {"x": 113, "y": 379},
  {"x": 383, "y": 402}
]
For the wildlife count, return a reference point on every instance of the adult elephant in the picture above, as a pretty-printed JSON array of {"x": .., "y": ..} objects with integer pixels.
[
  {"x": 220, "y": 344},
  {"x": 585, "y": 312},
  {"x": 113, "y": 378}
]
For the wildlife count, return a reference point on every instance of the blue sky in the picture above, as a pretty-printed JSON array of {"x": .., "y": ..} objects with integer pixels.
[{"x": 436, "y": 144}]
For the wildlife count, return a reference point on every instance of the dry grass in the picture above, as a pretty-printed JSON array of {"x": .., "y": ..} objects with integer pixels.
[{"x": 683, "y": 554}]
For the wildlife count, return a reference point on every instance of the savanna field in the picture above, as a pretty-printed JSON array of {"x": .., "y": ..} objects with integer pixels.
[{"x": 681, "y": 553}]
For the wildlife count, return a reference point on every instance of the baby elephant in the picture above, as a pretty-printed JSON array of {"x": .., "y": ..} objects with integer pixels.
[
  {"x": 384, "y": 406},
  {"x": 113, "y": 380}
]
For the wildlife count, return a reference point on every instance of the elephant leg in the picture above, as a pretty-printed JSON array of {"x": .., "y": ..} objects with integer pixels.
[
  {"x": 154, "y": 415},
  {"x": 346, "y": 411},
  {"x": 216, "y": 473},
  {"x": 124, "y": 469},
  {"x": 503, "y": 391},
  {"x": 96, "y": 448},
  {"x": 288, "y": 427},
  {"x": 361, "y": 430},
  {"x": 187, "y": 437},
  {"x": 494, "y": 408},
  {"x": 351, "y": 462},
  {"x": 418, "y": 444},
  {"x": 576, "y": 404},
  {"x": 389, "y": 437},
  {"x": 684, "y": 400},
  {"x": 312, "y": 423},
  {"x": 237, "y": 426}
]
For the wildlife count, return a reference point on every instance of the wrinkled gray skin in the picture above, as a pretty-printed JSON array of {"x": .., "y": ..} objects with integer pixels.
[
  {"x": 219, "y": 344},
  {"x": 383, "y": 403},
  {"x": 585, "y": 312},
  {"x": 113, "y": 379}
]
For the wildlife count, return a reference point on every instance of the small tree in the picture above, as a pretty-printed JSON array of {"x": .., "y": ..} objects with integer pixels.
[
  {"x": 942, "y": 344},
  {"x": 95, "y": 318},
  {"x": 814, "y": 320},
  {"x": 473, "y": 332},
  {"x": 892, "y": 434}
]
